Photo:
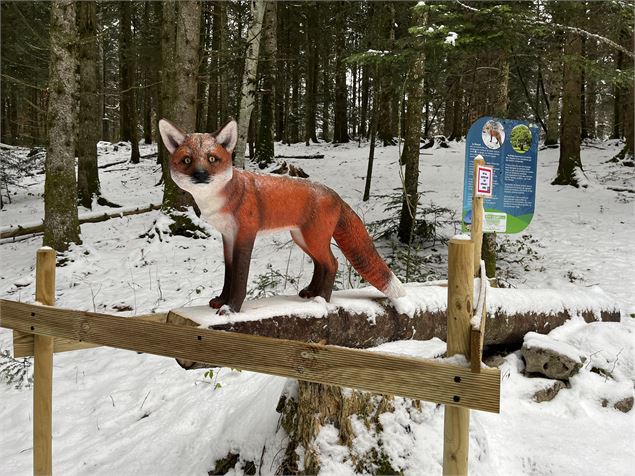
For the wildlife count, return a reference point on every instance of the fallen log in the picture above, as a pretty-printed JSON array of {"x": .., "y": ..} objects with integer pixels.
[
  {"x": 19, "y": 230},
  {"x": 311, "y": 156},
  {"x": 363, "y": 318}
]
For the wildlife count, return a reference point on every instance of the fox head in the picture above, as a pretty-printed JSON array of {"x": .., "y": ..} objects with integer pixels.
[{"x": 200, "y": 160}]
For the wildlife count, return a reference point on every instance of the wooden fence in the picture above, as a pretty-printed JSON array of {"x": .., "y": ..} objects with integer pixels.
[{"x": 42, "y": 329}]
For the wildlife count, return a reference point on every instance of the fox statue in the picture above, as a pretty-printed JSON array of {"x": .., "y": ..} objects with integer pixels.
[{"x": 240, "y": 204}]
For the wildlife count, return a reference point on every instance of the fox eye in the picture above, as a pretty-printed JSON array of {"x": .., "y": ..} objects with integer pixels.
[
  {"x": 211, "y": 159},
  {"x": 187, "y": 161}
]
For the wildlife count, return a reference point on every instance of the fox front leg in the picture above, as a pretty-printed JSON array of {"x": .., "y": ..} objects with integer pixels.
[
  {"x": 218, "y": 301},
  {"x": 241, "y": 257}
]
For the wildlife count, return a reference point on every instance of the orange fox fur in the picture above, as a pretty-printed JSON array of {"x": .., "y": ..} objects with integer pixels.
[
  {"x": 493, "y": 132},
  {"x": 240, "y": 204}
]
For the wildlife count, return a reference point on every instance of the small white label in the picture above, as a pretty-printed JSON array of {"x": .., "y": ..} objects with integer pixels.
[{"x": 495, "y": 222}]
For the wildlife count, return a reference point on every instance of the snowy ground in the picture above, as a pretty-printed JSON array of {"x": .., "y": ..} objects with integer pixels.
[{"x": 117, "y": 412}]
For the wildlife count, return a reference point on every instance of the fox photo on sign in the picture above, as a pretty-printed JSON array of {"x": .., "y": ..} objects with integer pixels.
[{"x": 508, "y": 179}]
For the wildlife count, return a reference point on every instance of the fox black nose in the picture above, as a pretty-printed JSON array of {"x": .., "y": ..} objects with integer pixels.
[{"x": 200, "y": 176}]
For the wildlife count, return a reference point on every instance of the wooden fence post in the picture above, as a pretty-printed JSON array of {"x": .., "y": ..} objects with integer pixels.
[
  {"x": 477, "y": 218},
  {"x": 460, "y": 310},
  {"x": 43, "y": 367}
]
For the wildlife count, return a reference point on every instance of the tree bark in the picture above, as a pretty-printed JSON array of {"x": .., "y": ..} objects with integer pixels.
[
  {"x": 386, "y": 126},
  {"x": 179, "y": 47},
  {"x": 325, "y": 53},
  {"x": 248, "y": 87},
  {"x": 213, "y": 67},
  {"x": 617, "y": 99},
  {"x": 147, "y": 74},
  {"x": 311, "y": 73},
  {"x": 294, "y": 106},
  {"x": 365, "y": 89},
  {"x": 203, "y": 48},
  {"x": 412, "y": 137},
  {"x": 343, "y": 327},
  {"x": 61, "y": 226},
  {"x": 570, "y": 164},
  {"x": 584, "y": 132},
  {"x": 591, "y": 93},
  {"x": 340, "y": 132},
  {"x": 281, "y": 85},
  {"x": 371, "y": 152},
  {"x": 128, "y": 119},
  {"x": 89, "y": 114},
  {"x": 264, "y": 153}
]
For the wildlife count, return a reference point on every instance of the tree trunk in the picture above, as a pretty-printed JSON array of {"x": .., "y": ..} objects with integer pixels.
[
  {"x": 371, "y": 153},
  {"x": 61, "y": 226},
  {"x": 340, "y": 132},
  {"x": 87, "y": 171},
  {"x": 223, "y": 96},
  {"x": 501, "y": 99},
  {"x": 294, "y": 107},
  {"x": 179, "y": 48},
  {"x": 629, "y": 126},
  {"x": 584, "y": 132},
  {"x": 187, "y": 60},
  {"x": 105, "y": 124},
  {"x": 248, "y": 87},
  {"x": 627, "y": 153},
  {"x": 201, "y": 87},
  {"x": 128, "y": 112},
  {"x": 386, "y": 126},
  {"x": 344, "y": 327},
  {"x": 326, "y": 85},
  {"x": 365, "y": 87},
  {"x": 570, "y": 163},
  {"x": 280, "y": 88},
  {"x": 617, "y": 102},
  {"x": 412, "y": 137},
  {"x": 213, "y": 67},
  {"x": 147, "y": 88},
  {"x": 264, "y": 154},
  {"x": 311, "y": 70},
  {"x": 501, "y": 104},
  {"x": 591, "y": 102}
]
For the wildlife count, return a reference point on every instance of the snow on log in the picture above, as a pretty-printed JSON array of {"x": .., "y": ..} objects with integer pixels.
[{"x": 363, "y": 318}]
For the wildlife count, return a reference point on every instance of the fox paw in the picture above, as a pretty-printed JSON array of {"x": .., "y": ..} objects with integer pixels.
[
  {"x": 217, "y": 302},
  {"x": 307, "y": 293}
]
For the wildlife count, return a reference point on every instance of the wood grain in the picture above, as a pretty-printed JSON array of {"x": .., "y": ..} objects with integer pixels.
[
  {"x": 43, "y": 368},
  {"x": 460, "y": 310},
  {"x": 460, "y": 296},
  {"x": 23, "y": 343},
  {"x": 365, "y": 370}
]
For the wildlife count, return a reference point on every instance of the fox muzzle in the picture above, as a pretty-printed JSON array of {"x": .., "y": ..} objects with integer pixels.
[{"x": 200, "y": 176}]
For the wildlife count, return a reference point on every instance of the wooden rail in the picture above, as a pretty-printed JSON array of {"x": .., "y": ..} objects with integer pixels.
[
  {"x": 365, "y": 370},
  {"x": 42, "y": 329}
]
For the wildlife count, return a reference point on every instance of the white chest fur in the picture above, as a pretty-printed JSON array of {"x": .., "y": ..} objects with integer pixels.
[{"x": 224, "y": 223}]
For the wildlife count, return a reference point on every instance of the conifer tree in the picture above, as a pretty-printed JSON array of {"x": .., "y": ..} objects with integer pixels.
[{"x": 61, "y": 224}]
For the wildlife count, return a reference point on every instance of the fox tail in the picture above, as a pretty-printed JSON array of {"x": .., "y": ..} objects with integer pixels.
[{"x": 353, "y": 239}]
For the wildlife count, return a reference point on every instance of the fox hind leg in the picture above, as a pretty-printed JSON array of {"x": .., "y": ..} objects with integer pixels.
[
  {"x": 317, "y": 239},
  {"x": 313, "y": 289}
]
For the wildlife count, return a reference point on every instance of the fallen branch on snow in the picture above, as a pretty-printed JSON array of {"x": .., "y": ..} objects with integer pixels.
[{"x": 20, "y": 230}]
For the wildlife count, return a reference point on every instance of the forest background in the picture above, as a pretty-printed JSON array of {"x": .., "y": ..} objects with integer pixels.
[{"x": 75, "y": 73}]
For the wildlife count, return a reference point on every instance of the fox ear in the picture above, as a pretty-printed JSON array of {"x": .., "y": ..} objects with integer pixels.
[
  {"x": 172, "y": 136},
  {"x": 227, "y": 135}
]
